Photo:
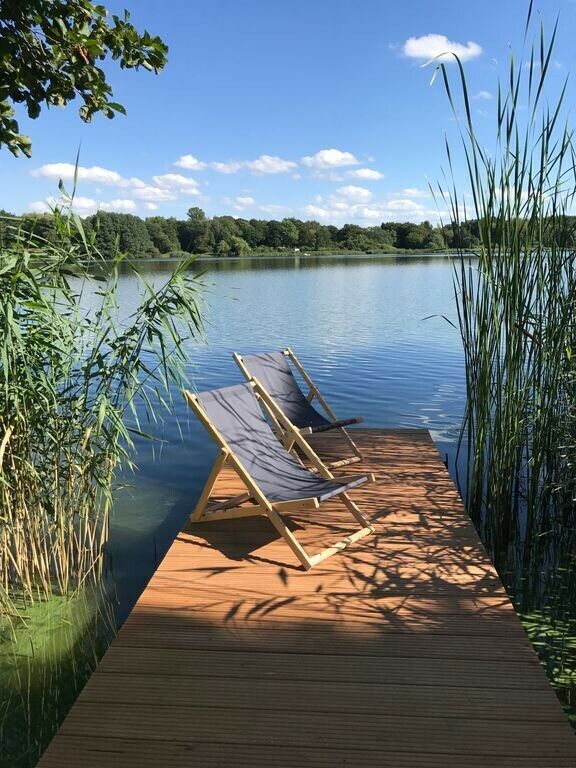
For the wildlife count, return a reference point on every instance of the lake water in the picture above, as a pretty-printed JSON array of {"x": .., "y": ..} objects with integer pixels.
[{"x": 357, "y": 323}]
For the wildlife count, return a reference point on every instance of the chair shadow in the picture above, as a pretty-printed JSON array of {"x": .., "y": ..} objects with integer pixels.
[{"x": 238, "y": 539}]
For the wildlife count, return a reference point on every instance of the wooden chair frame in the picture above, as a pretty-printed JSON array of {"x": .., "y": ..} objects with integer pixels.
[
  {"x": 291, "y": 434},
  {"x": 236, "y": 506}
]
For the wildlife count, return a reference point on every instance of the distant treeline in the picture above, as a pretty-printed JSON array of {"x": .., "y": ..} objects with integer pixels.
[{"x": 227, "y": 235}]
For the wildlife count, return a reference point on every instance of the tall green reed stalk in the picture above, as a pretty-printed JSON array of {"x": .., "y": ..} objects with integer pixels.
[
  {"x": 516, "y": 302},
  {"x": 75, "y": 385}
]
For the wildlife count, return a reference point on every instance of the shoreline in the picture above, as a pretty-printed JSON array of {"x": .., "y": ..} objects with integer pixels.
[{"x": 307, "y": 255}]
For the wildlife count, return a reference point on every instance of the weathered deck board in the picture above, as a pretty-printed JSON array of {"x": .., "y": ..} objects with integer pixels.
[{"x": 402, "y": 651}]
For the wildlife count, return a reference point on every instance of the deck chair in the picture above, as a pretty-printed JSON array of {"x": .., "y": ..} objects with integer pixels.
[
  {"x": 275, "y": 480},
  {"x": 274, "y": 376}
]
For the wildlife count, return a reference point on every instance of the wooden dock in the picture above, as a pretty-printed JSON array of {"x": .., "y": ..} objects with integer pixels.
[{"x": 403, "y": 651}]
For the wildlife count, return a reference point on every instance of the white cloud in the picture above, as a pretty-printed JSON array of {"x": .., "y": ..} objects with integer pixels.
[
  {"x": 66, "y": 172},
  {"x": 438, "y": 46},
  {"x": 261, "y": 165},
  {"x": 484, "y": 95},
  {"x": 177, "y": 182},
  {"x": 326, "y": 159},
  {"x": 273, "y": 209},
  {"x": 241, "y": 202},
  {"x": 316, "y": 212},
  {"x": 84, "y": 206},
  {"x": 151, "y": 206},
  {"x": 366, "y": 174},
  {"x": 39, "y": 206},
  {"x": 269, "y": 164},
  {"x": 405, "y": 206},
  {"x": 353, "y": 193},
  {"x": 415, "y": 192},
  {"x": 190, "y": 163},
  {"x": 120, "y": 206},
  {"x": 154, "y": 194},
  {"x": 232, "y": 167},
  {"x": 340, "y": 211}
]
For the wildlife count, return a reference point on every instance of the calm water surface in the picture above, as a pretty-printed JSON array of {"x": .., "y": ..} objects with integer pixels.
[{"x": 360, "y": 327}]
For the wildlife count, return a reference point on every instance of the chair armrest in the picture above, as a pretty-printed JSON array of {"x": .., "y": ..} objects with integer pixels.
[{"x": 336, "y": 424}]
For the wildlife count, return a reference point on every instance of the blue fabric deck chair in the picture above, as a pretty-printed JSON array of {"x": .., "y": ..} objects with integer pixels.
[
  {"x": 297, "y": 417},
  {"x": 276, "y": 481}
]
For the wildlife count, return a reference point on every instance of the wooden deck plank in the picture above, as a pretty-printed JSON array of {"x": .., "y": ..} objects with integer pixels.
[
  {"x": 121, "y": 752},
  {"x": 334, "y": 730},
  {"x": 404, "y": 650},
  {"x": 405, "y": 700}
]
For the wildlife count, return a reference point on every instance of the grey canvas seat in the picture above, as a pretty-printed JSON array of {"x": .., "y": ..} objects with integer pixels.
[
  {"x": 274, "y": 375},
  {"x": 275, "y": 480},
  {"x": 238, "y": 417}
]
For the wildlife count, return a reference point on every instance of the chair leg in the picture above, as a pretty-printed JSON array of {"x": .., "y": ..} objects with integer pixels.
[
  {"x": 358, "y": 515},
  {"x": 310, "y": 561},
  {"x": 198, "y": 513},
  {"x": 340, "y": 545},
  {"x": 290, "y": 539},
  {"x": 352, "y": 444}
]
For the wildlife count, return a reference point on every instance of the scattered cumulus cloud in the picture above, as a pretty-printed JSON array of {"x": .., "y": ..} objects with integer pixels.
[
  {"x": 439, "y": 46},
  {"x": 269, "y": 164},
  {"x": 273, "y": 209},
  {"x": 241, "y": 202},
  {"x": 190, "y": 163},
  {"x": 350, "y": 201},
  {"x": 483, "y": 95},
  {"x": 66, "y": 171},
  {"x": 336, "y": 210},
  {"x": 264, "y": 164},
  {"x": 119, "y": 205},
  {"x": 366, "y": 174},
  {"x": 153, "y": 194},
  {"x": 84, "y": 206},
  {"x": 177, "y": 182},
  {"x": 415, "y": 192},
  {"x": 354, "y": 194},
  {"x": 232, "y": 167},
  {"x": 327, "y": 159},
  {"x": 39, "y": 206},
  {"x": 164, "y": 188},
  {"x": 316, "y": 212}
]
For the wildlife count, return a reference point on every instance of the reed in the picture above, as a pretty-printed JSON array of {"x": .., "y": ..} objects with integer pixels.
[
  {"x": 76, "y": 385},
  {"x": 515, "y": 302}
]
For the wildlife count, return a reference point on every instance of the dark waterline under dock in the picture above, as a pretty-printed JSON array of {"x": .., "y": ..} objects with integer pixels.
[{"x": 402, "y": 651}]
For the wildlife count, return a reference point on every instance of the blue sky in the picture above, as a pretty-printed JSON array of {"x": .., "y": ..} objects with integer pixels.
[{"x": 316, "y": 109}]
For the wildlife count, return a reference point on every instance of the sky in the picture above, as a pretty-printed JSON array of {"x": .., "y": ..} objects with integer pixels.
[{"x": 319, "y": 109}]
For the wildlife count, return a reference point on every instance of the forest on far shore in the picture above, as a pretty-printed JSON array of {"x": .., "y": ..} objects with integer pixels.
[{"x": 230, "y": 236}]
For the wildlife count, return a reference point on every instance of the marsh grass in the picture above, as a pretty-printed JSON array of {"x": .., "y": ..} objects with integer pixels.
[
  {"x": 516, "y": 308},
  {"x": 75, "y": 387},
  {"x": 516, "y": 303}
]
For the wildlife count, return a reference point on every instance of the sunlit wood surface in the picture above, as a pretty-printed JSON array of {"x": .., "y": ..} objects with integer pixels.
[{"x": 404, "y": 650}]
